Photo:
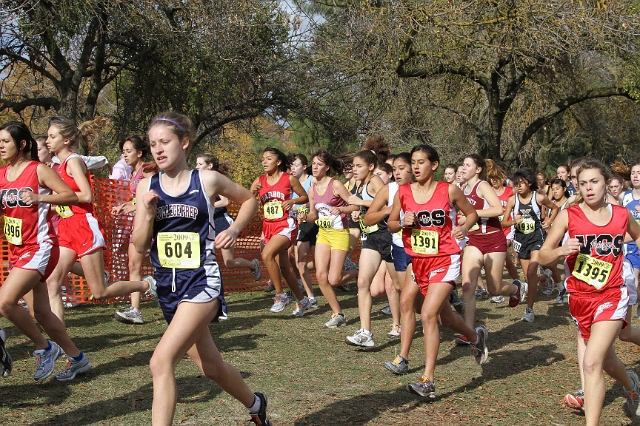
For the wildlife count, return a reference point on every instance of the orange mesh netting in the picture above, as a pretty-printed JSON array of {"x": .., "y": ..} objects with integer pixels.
[{"x": 109, "y": 193}]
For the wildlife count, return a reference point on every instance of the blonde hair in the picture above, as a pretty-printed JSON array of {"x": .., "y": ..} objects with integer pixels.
[{"x": 86, "y": 132}]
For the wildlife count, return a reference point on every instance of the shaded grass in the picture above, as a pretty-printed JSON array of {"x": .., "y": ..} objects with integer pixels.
[{"x": 310, "y": 375}]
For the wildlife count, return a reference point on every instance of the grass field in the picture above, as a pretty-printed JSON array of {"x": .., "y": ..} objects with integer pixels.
[{"x": 310, "y": 375}]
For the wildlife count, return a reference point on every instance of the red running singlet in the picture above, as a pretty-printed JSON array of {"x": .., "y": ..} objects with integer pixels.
[
  {"x": 598, "y": 265},
  {"x": 271, "y": 197},
  {"x": 80, "y": 208},
  {"x": 431, "y": 236}
]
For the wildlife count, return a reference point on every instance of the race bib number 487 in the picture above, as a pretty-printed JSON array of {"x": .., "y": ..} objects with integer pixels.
[
  {"x": 179, "y": 250},
  {"x": 273, "y": 210}
]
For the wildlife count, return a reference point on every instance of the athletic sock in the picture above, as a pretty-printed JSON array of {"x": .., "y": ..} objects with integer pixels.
[
  {"x": 255, "y": 408},
  {"x": 78, "y": 358}
]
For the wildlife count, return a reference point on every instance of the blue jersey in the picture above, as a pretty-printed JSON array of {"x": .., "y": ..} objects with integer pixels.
[
  {"x": 183, "y": 251},
  {"x": 633, "y": 206}
]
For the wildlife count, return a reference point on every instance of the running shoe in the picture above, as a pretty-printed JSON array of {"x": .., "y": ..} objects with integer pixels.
[
  {"x": 270, "y": 287},
  {"x": 455, "y": 301},
  {"x": 575, "y": 401},
  {"x": 349, "y": 265},
  {"x": 497, "y": 299},
  {"x": 423, "y": 387},
  {"x": 260, "y": 418},
  {"x": 548, "y": 288},
  {"x": 518, "y": 297},
  {"x": 337, "y": 320},
  {"x": 6, "y": 364},
  {"x": 255, "y": 269},
  {"x": 302, "y": 306},
  {"x": 461, "y": 341},
  {"x": 560, "y": 298},
  {"x": 528, "y": 315},
  {"x": 279, "y": 302},
  {"x": 313, "y": 303},
  {"x": 633, "y": 394},
  {"x": 395, "y": 332},
  {"x": 360, "y": 338},
  {"x": 345, "y": 287},
  {"x": 46, "y": 361},
  {"x": 480, "y": 351},
  {"x": 386, "y": 310},
  {"x": 398, "y": 366},
  {"x": 481, "y": 294},
  {"x": 152, "y": 291},
  {"x": 72, "y": 368},
  {"x": 130, "y": 316}
]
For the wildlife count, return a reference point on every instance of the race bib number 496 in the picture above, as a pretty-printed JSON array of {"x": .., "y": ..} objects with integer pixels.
[{"x": 179, "y": 250}]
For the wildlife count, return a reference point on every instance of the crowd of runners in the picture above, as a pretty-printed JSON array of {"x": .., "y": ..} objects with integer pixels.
[{"x": 575, "y": 234}]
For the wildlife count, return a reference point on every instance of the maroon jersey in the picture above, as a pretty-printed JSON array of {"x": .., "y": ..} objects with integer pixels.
[
  {"x": 598, "y": 265},
  {"x": 431, "y": 236},
  {"x": 484, "y": 225}
]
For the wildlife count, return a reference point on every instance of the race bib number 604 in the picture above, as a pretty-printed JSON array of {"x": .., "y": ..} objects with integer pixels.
[{"x": 179, "y": 250}]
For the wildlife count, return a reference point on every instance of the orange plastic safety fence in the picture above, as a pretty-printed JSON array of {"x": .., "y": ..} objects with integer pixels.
[{"x": 109, "y": 193}]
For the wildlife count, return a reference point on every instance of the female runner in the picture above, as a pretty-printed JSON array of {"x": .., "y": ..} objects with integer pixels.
[
  {"x": 26, "y": 187},
  {"x": 530, "y": 226},
  {"x": 279, "y": 229},
  {"x": 79, "y": 233},
  {"x": 222, "y": 220},
  {"x": 176, "y": 210},
  {"x": 135, "y": 150},
  {"x": 597, "y": 295},
  {"x": 329, "y": 210},
  {"x": 487, "y": 245},
  {"x": 429, "y": 235},
  {"x": 376, "y": 239}
]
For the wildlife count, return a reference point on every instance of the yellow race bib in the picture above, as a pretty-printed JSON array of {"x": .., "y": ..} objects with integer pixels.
[
  {"x": 325, "y": 222},
  {"x": 13, "y": 230},
  {"x": 592, "y": 271},
  {"x": 273, "y": 210},
  {"x": 526, "y": 226},
  {"x": 424, "y": 242},
  {"x": 64, "y": 211},
  {"x": 179, "y": 250},
  {"x": 367, "y": 229}
]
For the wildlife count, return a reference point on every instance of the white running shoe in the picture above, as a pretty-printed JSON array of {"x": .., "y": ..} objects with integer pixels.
[
  {"x": 130, "y": 316},
  {"x": 302, "y": 306},
  {"x": 528, "y": 315},
  {"x": 337, "y": 320},
  {"x": 360, "y": 338},
  {"x": 279, "y": 302}
]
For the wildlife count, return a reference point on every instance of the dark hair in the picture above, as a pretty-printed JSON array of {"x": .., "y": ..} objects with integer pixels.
[
  {"x": 20, "y": 132},
  {"x": 566, "y": 167},
  {"x": 386, "y": 167},
  {"x": 375, "y": 150},
  {"x": 86, "y": 132},
  {"x": 479, "y": 160},
  {"x": 212, "y": 161},
  {"x": 328, "y": 159},
  {"x": 302, "y": 158},
  {"x": 284, "y": 160},
  {"x": 563, "y": 184},
  {"x": 139, "y": 144},
  {"x": 451, "y": 166},
  {"x": 618, "y": 178},
  {"x": 526, "y": 174},
  {"x": 403, "y": 156},
  {"x": 431, "y": 152}
]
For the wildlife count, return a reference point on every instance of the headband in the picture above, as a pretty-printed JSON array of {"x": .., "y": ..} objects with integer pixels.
[{"x": 170, "y": 121}]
